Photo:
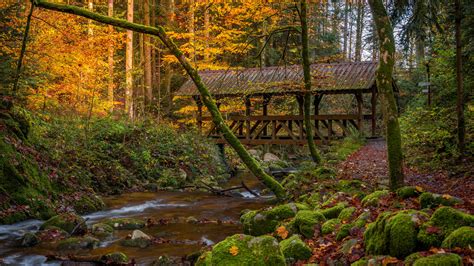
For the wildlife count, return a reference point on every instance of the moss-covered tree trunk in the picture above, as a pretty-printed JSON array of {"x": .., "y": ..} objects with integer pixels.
[
  {"x": 384, "y": 85},
  {"x": 307, "y": 84},
  {"x": 207, "y": 99}
]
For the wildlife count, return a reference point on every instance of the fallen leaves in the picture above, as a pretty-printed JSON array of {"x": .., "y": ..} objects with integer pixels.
[
  {"x": 282, "y": 232},
  {"x": 234, "y": 250}
]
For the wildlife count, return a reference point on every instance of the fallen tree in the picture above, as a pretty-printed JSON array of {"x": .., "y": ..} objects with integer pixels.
[{"x": 207, "y": 99}]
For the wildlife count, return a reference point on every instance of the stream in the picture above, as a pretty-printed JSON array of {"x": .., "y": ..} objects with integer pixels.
[{"x": 186, "y": 238}]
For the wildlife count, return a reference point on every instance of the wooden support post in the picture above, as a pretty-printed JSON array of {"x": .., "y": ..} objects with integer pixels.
[
  {"x": 266, "y": 101},
  {"x": 329, "y": 129},
  {"x": 359, "y": 110},
  {"x": 300, "y": 100},
  {"x": 247, "y": 114},
  {"x": 199, "y": 113},
  {"x": 374, "y": 107},
  {"x": 317, "y": 101}
]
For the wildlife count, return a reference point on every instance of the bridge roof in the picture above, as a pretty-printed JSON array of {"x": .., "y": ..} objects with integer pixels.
[{"x": 326, "y": 78}]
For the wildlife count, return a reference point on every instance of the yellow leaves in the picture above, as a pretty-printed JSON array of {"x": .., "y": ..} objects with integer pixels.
[
  {"x": 447, "y": 196},
  {"x": 282, "y": 232},
  {"x": 234, "y": 250},
  {"x": 419, "y": 189},
  {"x": 389, "y": 261}
]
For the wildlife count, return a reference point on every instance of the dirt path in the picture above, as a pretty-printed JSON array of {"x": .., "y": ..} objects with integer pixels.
[{"x": 370, "y": 165}]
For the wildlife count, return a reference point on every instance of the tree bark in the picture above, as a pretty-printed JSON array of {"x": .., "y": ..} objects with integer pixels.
[
  {"x": 129, "y": 108},
  {"x": 110, "y": 83},
  {"x": 206, "y": 31},
  {"x": 23, "y": 50},
  {"x": 307, "y": 84},
  {"x": 359, "y": 28},
  {"x": 191, "y": 32},
  {"x": 147, "y": 51},
  {"x": 206, "y": 97},
  {"x": 384, "y": 85},
  {"x": 459, "y": 78}
]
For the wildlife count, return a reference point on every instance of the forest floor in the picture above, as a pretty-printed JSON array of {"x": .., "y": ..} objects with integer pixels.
[{"x": 369, "y": 164}]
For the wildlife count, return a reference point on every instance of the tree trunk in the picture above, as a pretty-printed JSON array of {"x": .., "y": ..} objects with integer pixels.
[
  {"x": 459, "y": 79},
  {"x": 384, "y": 85},
  {"x": 307, "y": 84},
  {"x": 129, "y": 64},
  {"x": 147, "y": 51},
  {"x": 191, "y": 32},
  {"x": 359, "y": 28},
  {"x": 206, "y": 31},
  {"x": 110, "y": 83},
  {"x": 22, "y": 51},
  {"x": 206, "y": 97},
  {"x": 346, "y": 20}
]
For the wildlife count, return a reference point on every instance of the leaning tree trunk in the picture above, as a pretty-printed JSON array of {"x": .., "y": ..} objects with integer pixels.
[
  {"x": 459, "y": 81},
  {"x": 307, "y": 84},
  {"x": 207, "y": 99},
  {"x": 129, "y": 108},
  {"x": 384, "y": 85}
]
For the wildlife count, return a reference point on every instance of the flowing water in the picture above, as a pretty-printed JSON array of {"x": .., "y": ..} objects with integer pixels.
[{"x": 181, "y": 238}]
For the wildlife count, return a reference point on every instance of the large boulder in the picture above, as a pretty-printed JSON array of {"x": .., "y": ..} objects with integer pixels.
[
  {"x": 265, "y": 221},
  {"x": 330, "y": 226},
  {"x": 88, "y": 204},
  {"x": 334, "y": 211},
  {"x": 68, "y": 222},
  {"x": 29, "y": 240},
  {"x": 394, "y": 234},
  {"x": 138, "y": 239},
  {"x": 462, "y": 237},
  {"x": 308, "y": 221},
  {"x": 443, "y": 259},
  {"x": 102, "y": 230},
  {"x": 443, "y": 221},
  {"x": 242, "y": 249},
  {"x": 294, "y": 248},
  {"x": 125, "y": 223},
  {"x": 270, "y": 157}
]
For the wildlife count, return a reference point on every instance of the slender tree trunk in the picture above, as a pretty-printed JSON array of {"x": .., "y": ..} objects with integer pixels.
[
  {"x": 420, "y": 52},
  {"x": 307, "y": 84},
  {"x": 206, "y": 97},
  {"x": 351, "y": 23},
  {"x": 359, "y": 28},
  {"x": 384, "y": 85},
  {"x": 110, "y": 83},
  {"x": 459, "y": 79},
  {"x": 206, "y": 31},
  {"x": 147, "y": 51},
  {"x": 129, "y": 108},
  {"x": 191, "y": 32},
  {"x": 22, "y": 51},
  {"x": 346, "y": 18}
]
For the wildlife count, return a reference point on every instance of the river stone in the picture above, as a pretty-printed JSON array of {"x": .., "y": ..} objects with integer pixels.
[
  {"x": 102, "y": 230},
  {"x": 270, "y": 157},
  {"x": 29, "y": 239},
  {"x": 68, "y": 222},
  {"x": 192, "y": 220},
  {"x": 138, "y": 239},
  {"x": 115, "y": 258},
  {"x": 139, "y": 234},
  {"x": 125, "y": 223},
  {"x": 73, "y": 243}
]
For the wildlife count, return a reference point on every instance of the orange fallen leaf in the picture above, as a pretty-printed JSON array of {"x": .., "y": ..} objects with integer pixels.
[
  {"x": 282, "y": 232},
  {"x": 419, "y": 189},
  {"x": 446, "y": 196},
  {"x": 234, "y": 250},
  {"x": 389, "y": 260}
]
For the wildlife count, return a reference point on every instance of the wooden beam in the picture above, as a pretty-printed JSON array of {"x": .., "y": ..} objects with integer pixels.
[
  {"x": 359, "y": 109},
  {"x": 288, "y": 117},
  {"x": 266, "y": 101},
  {"x": 247, "y": 114}
]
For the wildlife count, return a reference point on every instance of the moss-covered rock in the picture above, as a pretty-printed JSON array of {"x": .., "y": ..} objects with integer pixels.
[
  {"x": 462, "y": 237},
  {"x": 407, "y": 192},
  {"x": 136, "y": 243},
  {"x": 323, "y": 173},
  {"x": 334, "y": 211},
  {"x": 73, "y": 243},
  {"x": 102, "y": 230},
  {"x": 352, "y": 186},
  {"x": 393, "y": 234},
  {"x": 115, "y": 258},
  {"x": 29, "y": 240},
  {"x": 88, "y": 203},
  {"x": 373, "y": 198},
  {"x": 443, "y": 221},
  {"x": 346, "y": 214},
  {"x": 125, "y": 223},
  {"x": 67, "y": 222},
  {"x": 361, "y": 262},
  {"x": 344, "y": 231},
  {"x": 329, "y": 226},
  {"x": 244, "y": 250},
  {"x": 295, "y": 249},
  {"x": 410, "y": 259},
  {"x": 446, "y": 259},
  {"x": 263, "y": 222},
  {"x": 305, "y": 221},
  {"x": 432, "y": 200}
]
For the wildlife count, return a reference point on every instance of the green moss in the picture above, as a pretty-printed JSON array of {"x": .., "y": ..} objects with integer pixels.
[
  {"x": 125, "y": 223},
  {"x": 330, "y": 226},
  {"x": 462, "y": 237},
  {"x": 361, "y": 262},
  {"x": 263, "y": 250},
  {"x": 323, "y": 173},
  {"x": 347, "y": 213},
  {"x": 443, "y": 221},
  {"x": 294, "y": 248},
  {"x": 137, "y": 242},
  {"x": 87, "y": 204},
  {"x": 432, "y": 200},
  {"x": 446, "y": 259},
  {"x": 67, "y": 222},
  {"x": 306, "y": 221},
  {"x": 410, "y": 259},
  {"x": 115, "y": 258},
  {"x": 362, "y": 219},
  {"x": 352, "y": 186},
  {"x": 263, "y": 222},
  {"x": 393, "y": 234},
  {"x": 407, "y": 192},
  {"x": 374, "y": 198},
  {"x": 73, "y": 243},
  {"x": 205, "y": 259},
  {"x": 29, "y": 239},
  {"x": 334, "y": 211},
  {"x": 344, "y": 231},
  {"x": 102, "y": 230}
]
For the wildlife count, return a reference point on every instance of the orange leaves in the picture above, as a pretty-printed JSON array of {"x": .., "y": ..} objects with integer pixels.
[
  {"x": 419, "y": 189},
  {"x": 282, "y": 232},
  {"x": 234, "y": 250},
  {"x": 389, "y": 261}
]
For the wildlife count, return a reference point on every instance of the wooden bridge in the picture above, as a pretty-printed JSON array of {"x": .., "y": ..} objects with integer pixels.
[{"x": 272, "y": 82}]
